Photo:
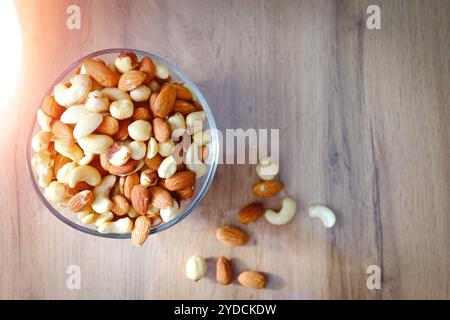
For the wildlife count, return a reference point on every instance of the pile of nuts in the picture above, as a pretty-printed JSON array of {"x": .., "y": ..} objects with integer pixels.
[
  {"x": 107, "y": 146},
  {"x": 267, "y": 169}
]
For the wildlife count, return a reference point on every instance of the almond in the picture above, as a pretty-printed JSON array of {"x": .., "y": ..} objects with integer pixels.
[
  {"x": 224, "y": 273},
  {"x": 59, "y": 162},
  {"x": 127, "y": 168},
  {"x": 183, "y": 107},
  {"x": 122, "y": 134},
  {"x": 148, "y": 67},
  {"x": 70, "y": 192},
  {"x": 140, "y": 199},
  {"x": 142, "y": 114},
  {"x": 109, "y": 126},
  {"x": 250, "y": 213},
  {"x": 184, "y": 194},
  {"x": 82, "y": 186},
  {"x": 197, "y": 106},
  {"x": 180, "y": 180},
  {"x": 141, "y": 230},
  {"x": 131, "y": 80},
  {"x": 183, "y": 93},
  {"x": 164, "y": 101},
  {"x": 101, "y": 73},
  {"x": 154, "y": 162},
  {"x": 63, "y": 132},
  {"x": 129, "y": 183},
  {"x": 104, "y": 162},
  {"x": 252, "y": 279},
  {"x": 80, "y": 201},
  {"x": 133, "y": 58},
  {"x": 120, "y": 205},
  {"x": 267, "y": 188},
  {"x": 152, "y": 100},
  {"x": 161, "y": 129},
  {"x": 52, "y": 108},
  {"x": 160, "y": 198},
  {"x": 231, "y": 236}
]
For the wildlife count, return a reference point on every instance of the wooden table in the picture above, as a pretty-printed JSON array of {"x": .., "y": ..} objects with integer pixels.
[{"x": 364, "y": 128}]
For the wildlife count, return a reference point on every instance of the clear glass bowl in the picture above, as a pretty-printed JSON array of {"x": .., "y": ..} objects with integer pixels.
[{"x": 202, "y": 185}]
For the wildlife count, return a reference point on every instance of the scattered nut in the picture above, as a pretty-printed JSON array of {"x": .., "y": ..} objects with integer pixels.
[
  {"x": 231, "y": 236},
  {"x": 196, "y": 268},
  {"x": 224, "y": 273},
  {"x": 324, "y": 214},
  {"x": 252, "y": 279},
  {"x": 250, "y": 213},
  {"x": 141, "y": 230},
  {"x": 267, "y": 169},
  {"x": 285, "y": 215},
  {"x": 267, "y": 188}
]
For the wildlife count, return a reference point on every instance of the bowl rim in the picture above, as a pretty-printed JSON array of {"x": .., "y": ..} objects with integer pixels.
[{"x": 214, "y": 150}]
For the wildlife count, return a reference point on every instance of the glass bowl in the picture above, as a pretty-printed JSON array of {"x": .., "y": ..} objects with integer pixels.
[{"x": 202, "y": 184}]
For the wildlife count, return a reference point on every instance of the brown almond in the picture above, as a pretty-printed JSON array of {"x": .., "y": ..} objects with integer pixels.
[
  {"x": 109, "y": 126},
  {"x": 252, "y": 279},
  {"x": 52, "y": 108},
  {"x": 160, "y": 197},
  {"x": 197, "y": 106},
  {"x": 164, "y": 101},
  {"x": 131, "y": 80},
  {"x": 101, "y": 73},
  {"x": 129, "y": 183},
  {"x": 231, "y": 236},
  {"x": 141, "y": 230},
  {"x": 183, "y": 93},
  {"x": 80, "y": 201},
  {"x": 70, "y": 192},
  {"x": 63, "y": 132},
  {"x": 59, "y": 162},
  {"x": 250, "y": 213},
  {"x": 122, "y": 134},
  {"x": 267, "y": 188},
  {"x": 142, "y": 114},
  {"x": 183, "y": 107},
  {"x": 224, "y": 273},
  {"x": 154, "y": 162},
  {"x": 152, "y": 101},
  {"x": 184, "y": 194},
  {"x": 148, "y": 67},
  {"x": 180, "y": 180},
  {"x": 82, "y": 186},
  {"x": 124, "y": 169},
  {"x": 120, "y": 205},
  {"x": 140, "y": 199},
  {"x": 133, "y": 58},
  {"x": 161, "y": 129}
]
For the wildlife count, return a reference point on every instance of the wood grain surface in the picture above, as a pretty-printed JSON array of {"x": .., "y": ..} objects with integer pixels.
[{"x": 364, "y": 127}]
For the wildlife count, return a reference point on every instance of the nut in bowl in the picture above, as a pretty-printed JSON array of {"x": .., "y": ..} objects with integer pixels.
[{"x": 103, "y": 149}]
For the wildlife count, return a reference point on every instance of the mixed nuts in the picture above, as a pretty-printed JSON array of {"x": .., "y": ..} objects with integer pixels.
[{"x": 106, "y": 148}]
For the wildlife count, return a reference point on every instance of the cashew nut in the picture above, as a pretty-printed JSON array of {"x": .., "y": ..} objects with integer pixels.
[
  {"x": 63, "y": 174},
  {"x": 104, "y": 217},
  {"x": 55, "y": 192},
  {"x": 85, "y": 173},
  {"x": 267, "y": 169},
  {"x": 285, "y": 215},
  {"x": 74, "y": 114},
  {"x": 138, "y": 150},
  {"x": 102, "y": 203},
  {"x": 115, "y": 94},
  {"x": 71, "y": 151},
  {"x": 141, "y": 93},
  {"x": 324, "y": 214},
  {"x": 152, "y": 148},
  {"x": 162, "y": 71},
  {"x": 76, "y": 93},
  {"x": 193, "y": 161},
  {"x": 44, "y": 120},
  {"x": 202, "y": 137},
  {"x": 42, "y": 165},
  {"x": 124, "y": 225},
  {"x": 97, "y": 102},
  {"x": 196, "y": 268},
  {"x": 88, "y": 157},
  {"x": 87, "y": 216},
  {"x": 87, "y": 125},
  {"x": 167, "y": 168},
  {"x": 121, "y": 109},
  {"x": 166, "y": 148},
  {"x": 41, "y": 141},
  {"x": 194, "y": 121},
  {"x": 140, "y": 130},
  {"x": 169, "y": 214},
  {"x": 96, "y": 143}
]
